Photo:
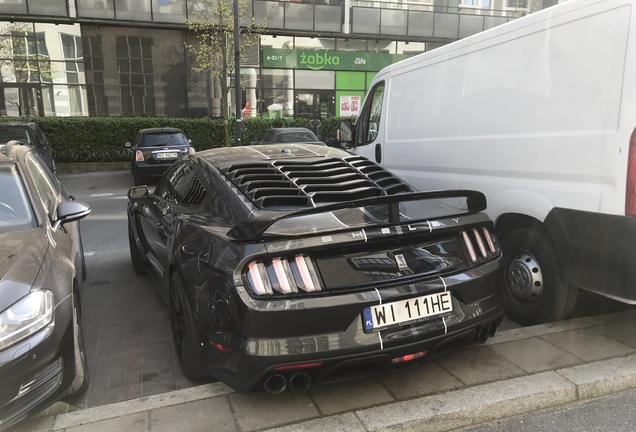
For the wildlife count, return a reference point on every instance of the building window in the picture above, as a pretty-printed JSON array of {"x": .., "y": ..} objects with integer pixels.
[
  {"x": 134, "y": 63},
  {"x": 94, "y": 62},
  {"x": 30, "y": 57}
]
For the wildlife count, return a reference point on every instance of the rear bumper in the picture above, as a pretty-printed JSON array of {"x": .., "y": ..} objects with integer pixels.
[{"x": 477, "y": 304}]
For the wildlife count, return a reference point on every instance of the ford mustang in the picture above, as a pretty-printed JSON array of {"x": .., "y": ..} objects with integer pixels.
[{"x": 289, "y": 264}]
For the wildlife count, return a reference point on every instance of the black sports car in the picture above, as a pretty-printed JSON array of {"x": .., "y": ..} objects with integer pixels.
[
  {"x": 285, "y": 265},
  {"x": 42, "y": 353},
  {"x": 154, "y": 150}
]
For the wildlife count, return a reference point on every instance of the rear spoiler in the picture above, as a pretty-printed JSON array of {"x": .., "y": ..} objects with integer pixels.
[{"x": 253, "y": 229}]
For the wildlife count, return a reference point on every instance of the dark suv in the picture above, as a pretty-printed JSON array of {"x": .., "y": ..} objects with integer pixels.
[
  {"x": 31, "y": 135},
  {"x": 154, "y": 150}
]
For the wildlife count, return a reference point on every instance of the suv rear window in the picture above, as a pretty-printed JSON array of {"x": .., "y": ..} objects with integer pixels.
[{"x": 163, "y": 139}]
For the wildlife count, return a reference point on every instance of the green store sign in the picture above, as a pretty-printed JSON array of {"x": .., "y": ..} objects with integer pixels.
[{"x": 274, "y": 58}]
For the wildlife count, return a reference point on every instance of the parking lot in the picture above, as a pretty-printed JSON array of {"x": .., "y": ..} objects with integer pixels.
[{"x": 127, "y": 328}]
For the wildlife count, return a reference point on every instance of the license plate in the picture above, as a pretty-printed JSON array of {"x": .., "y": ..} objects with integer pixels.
[
  {"x": 166, "y": 155},
  {"x": 379, "y": 317}
]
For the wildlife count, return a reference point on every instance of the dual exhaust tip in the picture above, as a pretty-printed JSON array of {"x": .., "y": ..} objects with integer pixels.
[
  {"x": 485, "y": 332},
  {"x": 276, "y": 383}
]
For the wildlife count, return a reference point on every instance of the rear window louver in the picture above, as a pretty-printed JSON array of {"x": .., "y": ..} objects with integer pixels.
[{"x": 308, "y": 183}]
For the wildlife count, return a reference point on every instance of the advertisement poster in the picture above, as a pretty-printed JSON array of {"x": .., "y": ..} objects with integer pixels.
[{"x": 349, "y": 105}]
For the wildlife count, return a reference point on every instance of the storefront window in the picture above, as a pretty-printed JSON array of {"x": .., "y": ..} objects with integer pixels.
[
  {"x": 307, "y": 79},
  {"x": 138, "y": 10},
  {"x": 168, "y": 10},
  {"x": 48, "y": 7},
  {"x": 96, "y": 8}
]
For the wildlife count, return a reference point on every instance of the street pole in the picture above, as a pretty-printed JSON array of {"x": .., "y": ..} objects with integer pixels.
[{"x": 237, "y": 73}]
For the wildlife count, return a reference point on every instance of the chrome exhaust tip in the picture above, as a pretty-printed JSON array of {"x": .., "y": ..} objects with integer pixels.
[
  {"x": 275, "y": 384},
  {"x": 300, "y": 382}
]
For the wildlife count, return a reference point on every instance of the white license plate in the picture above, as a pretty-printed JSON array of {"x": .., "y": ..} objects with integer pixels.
[
  {"x": 166, "y": 155},
  {"x": 379, "y": 317}
]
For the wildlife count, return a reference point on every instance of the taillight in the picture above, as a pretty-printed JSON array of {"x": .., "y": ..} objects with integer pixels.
[
  {"x": 282, "y": 276},
  {"x": 480, "y": 244},
  {"x": 630, "y": 190},
  {"x": 139, "y": 156}
]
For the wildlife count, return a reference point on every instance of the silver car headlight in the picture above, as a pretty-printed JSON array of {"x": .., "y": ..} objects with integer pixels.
[{"x": 28, "y": 315}]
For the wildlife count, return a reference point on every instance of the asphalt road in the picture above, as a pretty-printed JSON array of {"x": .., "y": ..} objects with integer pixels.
[{"x": 616, "y": 413}]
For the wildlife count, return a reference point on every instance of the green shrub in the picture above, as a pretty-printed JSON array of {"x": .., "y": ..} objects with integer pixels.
[{"x": 102, "y": 139}]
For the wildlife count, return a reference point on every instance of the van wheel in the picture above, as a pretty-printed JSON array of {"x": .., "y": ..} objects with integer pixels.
[{"x": 533, "y": 284}]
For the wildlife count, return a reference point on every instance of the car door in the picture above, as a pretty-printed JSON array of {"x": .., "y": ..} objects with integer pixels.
[
  {"x": 157, "y": 218},
  {"x": 369, "y": 132}
]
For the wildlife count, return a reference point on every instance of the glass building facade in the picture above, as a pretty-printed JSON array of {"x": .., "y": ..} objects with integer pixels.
[{"x": 131, "y": 57}]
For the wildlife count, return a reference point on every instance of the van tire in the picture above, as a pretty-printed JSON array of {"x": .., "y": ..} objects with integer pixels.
[{"x": 533, "y": 285}]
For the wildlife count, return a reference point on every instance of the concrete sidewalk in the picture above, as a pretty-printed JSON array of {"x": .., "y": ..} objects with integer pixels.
[{"x": 518, "y": 371}]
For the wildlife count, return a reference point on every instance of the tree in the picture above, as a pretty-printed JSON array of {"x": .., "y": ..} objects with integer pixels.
[{"x": 213, "y": 24}]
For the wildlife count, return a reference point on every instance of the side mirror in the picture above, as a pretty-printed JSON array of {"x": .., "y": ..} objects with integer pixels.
[
  {"x": 70, "y": 211},
  {"x": 138, "y": 193},
  {"x": 128, "y": 144},
  {"x": 346, "y": 133}
]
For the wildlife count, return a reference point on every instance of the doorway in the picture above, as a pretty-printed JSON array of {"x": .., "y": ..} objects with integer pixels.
[{"x": 315, "y": 103}]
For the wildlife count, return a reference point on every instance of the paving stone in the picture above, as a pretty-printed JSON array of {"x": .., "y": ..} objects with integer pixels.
[
  {"x": 588, "y": 344},
  {"x": 425, "y": 379},
  {"x": 478, "y": 365},
  {"x": 535, "y": 355},
  {"x": 339, "y": 397},
  {"x": 129, "y": 423},
  {"x": 39, "y": 423},
  {"x": 201, "y": 416},
  {"x": 621, "y": 331},
  {"x": 259, "y": 411},
  {"x": 340, "y": 423}
]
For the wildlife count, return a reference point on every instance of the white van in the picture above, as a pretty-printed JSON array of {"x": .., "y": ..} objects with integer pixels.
[{"x": 539, "y": 114}]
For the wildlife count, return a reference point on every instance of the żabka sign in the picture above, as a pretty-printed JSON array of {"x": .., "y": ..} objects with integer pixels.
[{"x": 317, "y": 60}]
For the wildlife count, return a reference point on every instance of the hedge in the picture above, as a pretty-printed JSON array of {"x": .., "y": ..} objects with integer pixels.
[{"x": 102, "y": 139}]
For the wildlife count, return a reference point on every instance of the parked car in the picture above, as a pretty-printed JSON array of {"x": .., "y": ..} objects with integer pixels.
[
  {"x": 42, "y": 356},
  {"x": 289, "y": 135},
  {"x": 31, "y": 135},
  {"x": 154, "y": 150},
  {"x": 285, "y": 265}
]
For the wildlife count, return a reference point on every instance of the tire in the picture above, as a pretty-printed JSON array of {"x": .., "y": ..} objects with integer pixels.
[
  {"x": 187, "y": 340},
  {"x": 80, "y": 382},
  {"x": 135, "y": 255},
  {"x": 533, "y": 285}
]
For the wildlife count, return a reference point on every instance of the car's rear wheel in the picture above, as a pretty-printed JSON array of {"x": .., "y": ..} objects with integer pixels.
[
  {"x": 187, "y": 340},
  {"x": 80, "y": 382},
  {"x": 533, "y": 282},
  {"x": 135, "y": 255}
]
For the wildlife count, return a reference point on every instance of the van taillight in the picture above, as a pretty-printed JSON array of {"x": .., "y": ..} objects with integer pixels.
[{"x": 630, "y": 190}]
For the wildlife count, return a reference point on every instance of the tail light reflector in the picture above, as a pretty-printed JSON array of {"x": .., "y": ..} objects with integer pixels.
[
  {"x": 299, "y": 366},
  {"x": 408, "y": 357},
  {"x": 139, "y": 156}
]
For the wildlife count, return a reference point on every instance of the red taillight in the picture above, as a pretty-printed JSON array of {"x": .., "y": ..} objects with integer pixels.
[
  {"x": 282, "y": 276},
  {"x": 220, "y": 347},
  {"x": 299, "y": 366},
  {"x": 408, "y": 357},
  {"x": 630, "y": 190},
  {"x": 139, "y": 156}
]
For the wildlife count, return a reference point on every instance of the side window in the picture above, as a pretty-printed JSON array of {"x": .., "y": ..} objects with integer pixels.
[
  {"x": 47, "y": 186},
  {"x": 369, "y": 120},
  {"x": 181, "y": 185}
]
